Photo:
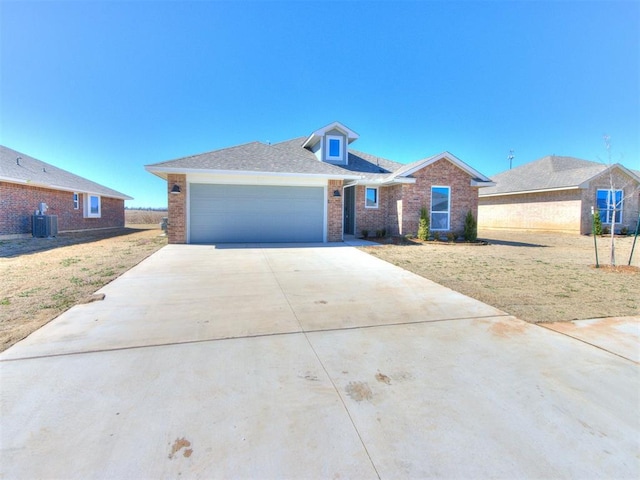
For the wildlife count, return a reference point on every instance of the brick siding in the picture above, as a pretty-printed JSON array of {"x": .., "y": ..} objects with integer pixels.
[
  {"x": 557, "y": 211},
  {"x": 464, "y": 197},
  {"x": 334, "y": 211},
  {"x": 177, "y": 227},
  {"x": 19, "y": 202},
  {"x": 399, "y": 205}
]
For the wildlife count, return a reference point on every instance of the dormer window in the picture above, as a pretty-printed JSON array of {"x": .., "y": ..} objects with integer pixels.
[
  {"x": 329, "y": 144},
  {"x": 334, "y": 148}
]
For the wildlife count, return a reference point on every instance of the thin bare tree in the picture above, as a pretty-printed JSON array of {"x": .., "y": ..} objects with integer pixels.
[{"x": 614, "y": 205}]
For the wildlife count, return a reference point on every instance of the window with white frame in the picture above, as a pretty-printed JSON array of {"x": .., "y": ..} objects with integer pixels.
[
  {"x": 371, "y": 197},
  {"x": 92, "y": 206},
  {"x": 440, "y": 207},
  {"x": 76, "y": 201},
  {"x": 609, "y": 203},
  {"x": 334, "y": 148}
]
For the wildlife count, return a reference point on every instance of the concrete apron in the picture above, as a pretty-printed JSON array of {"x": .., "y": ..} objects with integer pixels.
[{"x": 315, "y": 362}]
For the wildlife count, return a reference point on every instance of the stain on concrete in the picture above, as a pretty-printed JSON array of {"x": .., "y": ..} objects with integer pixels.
[
  {"x": 507, "y": 328},
  {"x": 382, "y": 378},
  {"x": 359, "y": 391},
  {"x": 179, "y": 444},
  {"x": 323, "y": 302},
  {"x": 309, "y": 376}
]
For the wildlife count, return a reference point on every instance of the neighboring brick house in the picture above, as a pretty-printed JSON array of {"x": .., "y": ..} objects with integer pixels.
[
  {"x": 558, "y": 193},
  {"x": 79, "y": 204},
  {"x": 312, "y": 189}
]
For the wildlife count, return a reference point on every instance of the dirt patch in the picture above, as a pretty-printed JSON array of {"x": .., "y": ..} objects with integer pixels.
[
  {"x": 534, "y": 276},
  {"x": 43, "y": 277},
  {"x": 619, "y": 268},
  {"x": 382, "y": 378}
]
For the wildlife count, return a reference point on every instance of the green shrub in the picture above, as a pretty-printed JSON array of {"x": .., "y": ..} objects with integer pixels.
[
  {"x": 470, "y": 233},
  {"x": 436, "y": 236},
  {"x": 624, "y": 231},
  {"x": 451, "y": 237},
  {"x": 365, "y": 233},
  {"x": 597, "y": 223},
  {"x": 423, "y": 225}
]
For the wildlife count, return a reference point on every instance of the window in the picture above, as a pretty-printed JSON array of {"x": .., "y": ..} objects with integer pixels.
[
  {"x": 608, "y": 202},
  {"x": 440, "y": 208},
  {"x": 76, "y": 201},
  {"x": 371, "y": 198},
  {"x": 92, "y": 206},
  {"x": 334, "y": 148}
]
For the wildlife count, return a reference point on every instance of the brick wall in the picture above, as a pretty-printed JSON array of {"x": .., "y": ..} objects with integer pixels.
[
  {"x": 334, "y": 211},
  {"x": 464, "y": 197},
  {"x": 557, "y": 211},
  {"x": 177, "y": 227},
  {"x": 371, "y": 219},
  {"x": 399, "y": 206},
  {"x": 18, "y": 202}
]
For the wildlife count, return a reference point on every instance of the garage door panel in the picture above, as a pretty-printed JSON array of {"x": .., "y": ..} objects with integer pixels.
[{"x": 251, "y": 213}]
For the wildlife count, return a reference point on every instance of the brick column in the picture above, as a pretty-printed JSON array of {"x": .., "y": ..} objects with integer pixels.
[
  {"x": 334, "y": 211},
  {"x": 177, "y": 227}
]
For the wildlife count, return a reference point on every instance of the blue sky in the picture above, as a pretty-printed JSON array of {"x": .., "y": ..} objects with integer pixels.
[{"x": 103, "y": 88}]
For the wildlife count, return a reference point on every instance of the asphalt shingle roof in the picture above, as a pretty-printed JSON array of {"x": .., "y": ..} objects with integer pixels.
[
  {"x": 550, "y": 172},
  {"x": 291, "y": 157},
  {"x": 29, "y": 170},
  {"x": 257, "y": 157},
  {"x": 284, "y": 157}
]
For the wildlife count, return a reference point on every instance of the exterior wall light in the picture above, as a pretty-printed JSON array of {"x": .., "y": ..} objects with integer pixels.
[
  {"x": 336, "y": 193},
  {"x": 176, "y": 189}
]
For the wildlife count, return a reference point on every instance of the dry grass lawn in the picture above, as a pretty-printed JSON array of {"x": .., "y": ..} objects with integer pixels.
[
  {"x": 536, "y": 277},
  {"x": 43, "y": 277}
]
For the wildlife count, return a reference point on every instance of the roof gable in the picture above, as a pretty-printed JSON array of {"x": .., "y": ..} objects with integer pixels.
[
  {"x": 318, "y": 134},
  {"x": 411, "y": 168},
  {"x": 16, "y": 167}
]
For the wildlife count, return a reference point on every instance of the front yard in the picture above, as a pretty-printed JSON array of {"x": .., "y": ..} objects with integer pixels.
[
  {"x": 536, "y": 277},
  {"x": 43, "y": 277}
]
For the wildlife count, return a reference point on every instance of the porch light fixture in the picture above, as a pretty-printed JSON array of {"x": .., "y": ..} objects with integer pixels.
[
  {"x": 176, "y": 189},
  {"x": 336, "y": 193}
]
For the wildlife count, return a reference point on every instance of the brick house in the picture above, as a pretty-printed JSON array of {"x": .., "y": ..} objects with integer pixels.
[
  {"x": 557, "y": 193},
  {"x": 79, "y": 204},
  {"x": 311, "y": 189}
]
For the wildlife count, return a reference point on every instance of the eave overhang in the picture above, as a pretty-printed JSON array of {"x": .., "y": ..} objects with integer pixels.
[
  {"x": 62, "y": 189},
  {"x": 523, "y": 192},
  {"x": 163, "y": 172}
]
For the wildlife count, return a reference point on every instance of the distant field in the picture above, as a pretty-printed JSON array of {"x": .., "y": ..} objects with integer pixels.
[{"x": 144, "y": 217}]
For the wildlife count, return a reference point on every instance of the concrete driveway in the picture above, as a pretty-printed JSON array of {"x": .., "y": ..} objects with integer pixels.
[{"x": 316, "y": 362}]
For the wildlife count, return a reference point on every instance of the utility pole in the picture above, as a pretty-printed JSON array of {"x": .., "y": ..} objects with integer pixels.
[{"x": 511, "y": 157}]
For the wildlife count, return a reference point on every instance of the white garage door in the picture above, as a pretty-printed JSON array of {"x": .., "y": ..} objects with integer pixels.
[{"x": 255, "y": 213}]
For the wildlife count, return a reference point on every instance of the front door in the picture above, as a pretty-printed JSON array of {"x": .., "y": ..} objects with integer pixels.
[{"x": 349, "y": 210}]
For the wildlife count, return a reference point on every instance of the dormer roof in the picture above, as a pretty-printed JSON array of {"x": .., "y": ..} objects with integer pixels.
[{"x": 318, "y": 134}]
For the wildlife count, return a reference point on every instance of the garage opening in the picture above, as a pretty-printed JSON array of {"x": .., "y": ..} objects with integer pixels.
[{"x": 255, "y": 213}]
